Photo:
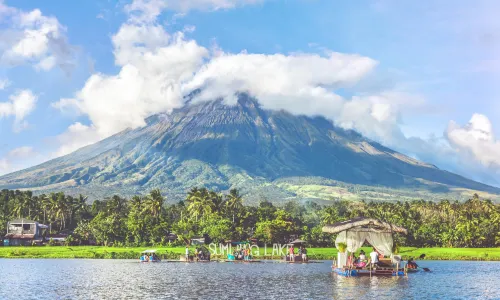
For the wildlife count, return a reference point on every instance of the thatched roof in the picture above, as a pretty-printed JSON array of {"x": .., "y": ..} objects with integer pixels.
[{"x": 364, "y": 224}]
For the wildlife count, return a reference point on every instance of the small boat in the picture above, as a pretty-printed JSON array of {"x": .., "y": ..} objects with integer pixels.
[
  {"x": 232, "y": 258},
  {"x": 149, "y": 256}
]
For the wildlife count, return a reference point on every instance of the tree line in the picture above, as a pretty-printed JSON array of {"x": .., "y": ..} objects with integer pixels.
[{"x": 150, "y": 220}]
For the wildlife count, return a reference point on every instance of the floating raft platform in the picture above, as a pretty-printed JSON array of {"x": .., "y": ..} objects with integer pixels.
[
  {"x": 366, "y": 272},
  {"x": 242, "y": 261},
  {"x": 303, "y": 262}
]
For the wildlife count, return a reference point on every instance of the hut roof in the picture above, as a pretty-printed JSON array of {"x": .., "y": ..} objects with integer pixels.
[
  {"x": 149, "y": 251},
  {"x": 364, "y": 224}
]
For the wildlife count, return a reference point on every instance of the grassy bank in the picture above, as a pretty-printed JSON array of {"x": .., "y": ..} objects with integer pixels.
[{"x": 175, "y": 252}]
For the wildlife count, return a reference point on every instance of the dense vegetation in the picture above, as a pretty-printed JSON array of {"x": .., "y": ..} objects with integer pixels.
[{"x": 147, "y": 220}]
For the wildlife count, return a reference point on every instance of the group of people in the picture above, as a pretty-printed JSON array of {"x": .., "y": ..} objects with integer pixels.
[
  {"x": 362, "y": 260},
  {"x": 374, "y": 260},
  {"x": 243, "y": 254},
  {"x": 302, "y": 253},
  {"x": 199, "y": 254},
  {"x": 147, "y": 258},
  {"x": 411, "y": 264}
]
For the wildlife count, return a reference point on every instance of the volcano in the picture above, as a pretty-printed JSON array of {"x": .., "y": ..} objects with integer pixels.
[{"x": 267, "y": 154}]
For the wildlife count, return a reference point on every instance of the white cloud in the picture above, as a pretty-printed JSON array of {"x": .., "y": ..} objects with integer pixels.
[
  {"x": 476, "y": 139},
  {"x": 302, "y": 83},
  {"x": 21, "y": 152},
  {"x": 20, "y": 105},
  {"x": 149, "y": 10},
  {"x": 76, "y": 136},
  {"x": 189, "y": 28},
  {"x": 33, "y": 38},
  {"x": 5, "y": 166},
  {"x": 16, "y": 159},
  {"x": 145, "y": 10},
  {"x": 4, "y": 83},
  {"x": 47, "y": 63},
  {"x": 154, "y": 66}
]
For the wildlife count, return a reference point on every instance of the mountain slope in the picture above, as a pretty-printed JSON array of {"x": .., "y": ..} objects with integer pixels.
[{"x": 266, "y": 153}]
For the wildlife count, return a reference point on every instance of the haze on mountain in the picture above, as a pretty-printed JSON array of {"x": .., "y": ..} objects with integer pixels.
[{"x": 267, "y": 154}]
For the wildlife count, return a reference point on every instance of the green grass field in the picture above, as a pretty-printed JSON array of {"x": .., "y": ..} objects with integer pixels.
[{"x": 175, "y": 252}]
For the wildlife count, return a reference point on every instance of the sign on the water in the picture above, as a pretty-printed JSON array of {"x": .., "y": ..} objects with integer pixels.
[{"x": 221, "y": 249}]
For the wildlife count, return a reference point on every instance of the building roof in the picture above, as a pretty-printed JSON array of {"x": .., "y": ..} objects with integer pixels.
[
  {"x": 364, "y": 224},
  {"x": 22, "y": 220}
]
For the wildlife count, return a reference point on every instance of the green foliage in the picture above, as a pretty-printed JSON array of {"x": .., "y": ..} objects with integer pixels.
[
  {"x": 342, "y": 247},
  {"x": 148, "y": 220}
]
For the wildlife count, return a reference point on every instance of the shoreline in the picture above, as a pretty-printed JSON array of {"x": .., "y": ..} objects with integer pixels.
[{"x": 169, "y": 253}]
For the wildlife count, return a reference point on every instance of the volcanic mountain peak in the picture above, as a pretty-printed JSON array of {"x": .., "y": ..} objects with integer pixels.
[{"x": 265, "y": 153}]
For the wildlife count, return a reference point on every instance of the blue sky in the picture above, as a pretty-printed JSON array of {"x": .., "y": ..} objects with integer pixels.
[{"x": 418, "y": 77}]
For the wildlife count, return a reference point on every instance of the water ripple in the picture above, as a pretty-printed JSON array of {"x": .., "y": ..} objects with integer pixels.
[{"x": 125, "y": 279}]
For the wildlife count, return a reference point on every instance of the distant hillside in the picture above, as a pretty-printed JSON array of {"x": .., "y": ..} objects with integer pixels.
[{"x": 267, "y": 154}]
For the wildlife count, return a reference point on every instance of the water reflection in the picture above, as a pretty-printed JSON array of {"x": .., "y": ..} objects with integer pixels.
[
  {"x": 361, "y": 287},
  {"x": 122, "y": 279}
]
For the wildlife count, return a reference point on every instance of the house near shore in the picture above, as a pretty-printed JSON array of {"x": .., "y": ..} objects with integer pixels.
[{"x": 23, "y": 232}]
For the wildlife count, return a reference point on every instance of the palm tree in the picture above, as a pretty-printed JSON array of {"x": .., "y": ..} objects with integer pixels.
[
  {"x": 234, "y": 203},
  {"x": 154, "y": 202},
  {"x": 199, "y": 203},
  {"x": 77, "y": 205},
  {"x": 59, "y": 209},
  {"x": 44, "y": 206},
  {"x": 217, "y": 200}
]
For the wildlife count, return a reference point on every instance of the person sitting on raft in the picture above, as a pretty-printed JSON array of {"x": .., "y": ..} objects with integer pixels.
[
  {"x": 411, "y": 264},
  {"x": 361, "y": 262},
  {"x": 362, "y": 256},
  {"x": 351, "y": 260}
]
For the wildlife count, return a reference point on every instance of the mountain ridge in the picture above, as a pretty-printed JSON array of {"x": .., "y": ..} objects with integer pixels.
[{"x": 223, "y": 146}]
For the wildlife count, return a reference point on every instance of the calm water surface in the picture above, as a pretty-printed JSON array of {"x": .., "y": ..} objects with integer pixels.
[{"x": 125, "y": 279}]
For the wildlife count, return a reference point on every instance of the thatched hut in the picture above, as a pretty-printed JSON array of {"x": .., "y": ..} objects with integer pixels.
[{"x": 353, "y": 233}]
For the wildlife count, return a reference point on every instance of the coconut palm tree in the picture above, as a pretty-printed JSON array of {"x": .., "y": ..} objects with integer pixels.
[
  {"x": 154, "y": 203},
  {"x": 234, "y": 203},
  {"x": 199, "y": 203}
]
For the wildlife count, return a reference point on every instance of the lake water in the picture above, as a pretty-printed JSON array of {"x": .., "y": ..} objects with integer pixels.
[{"x": 125, "y": 279}]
